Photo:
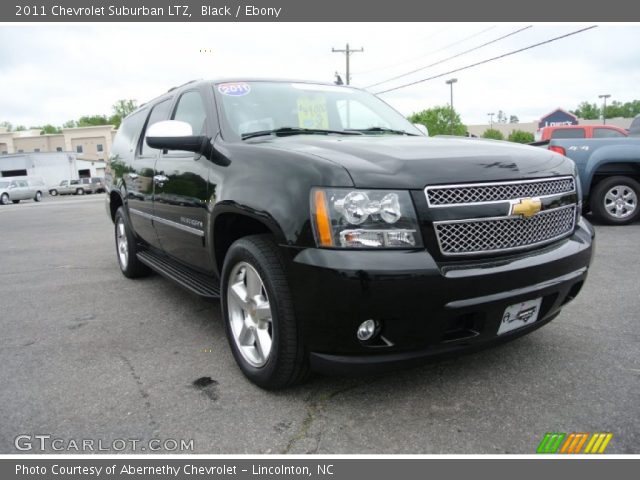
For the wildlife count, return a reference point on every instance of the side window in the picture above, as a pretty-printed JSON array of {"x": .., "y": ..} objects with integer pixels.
[
  {"x": 191, "y": 109},
  {"x": 158, "y": 113},
  {"x": 63, "y": 183},
  {"x": 75, "y": 182},
  {"x": 22, "y": 183},
  {"x": 606, "y": 133},
  {"x": 568, "y": 133}
]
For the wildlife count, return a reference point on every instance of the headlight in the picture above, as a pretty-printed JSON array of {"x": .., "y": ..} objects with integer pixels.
[{"x": 351, "y": 218}]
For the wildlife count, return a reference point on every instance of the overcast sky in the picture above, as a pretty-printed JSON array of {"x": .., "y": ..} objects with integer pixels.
[{"x": 54, "y": 73}]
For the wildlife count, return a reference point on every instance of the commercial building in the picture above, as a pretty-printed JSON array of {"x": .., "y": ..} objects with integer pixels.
[{"x": 52, "y": 167}]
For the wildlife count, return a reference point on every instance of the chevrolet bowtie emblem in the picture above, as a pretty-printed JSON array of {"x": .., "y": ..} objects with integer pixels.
[{"x": 526, "y": 207}]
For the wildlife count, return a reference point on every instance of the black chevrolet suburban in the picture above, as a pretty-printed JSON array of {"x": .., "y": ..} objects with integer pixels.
[{"x": 338, "y": 237}]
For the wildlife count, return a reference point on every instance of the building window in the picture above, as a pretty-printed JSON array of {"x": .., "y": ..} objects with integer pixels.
[
  {"x": 37, "y": 150},
  {"x": 99, "y": 147},
  {"x": 58, "y": 149},
  {"x": 20, "y": 151},
  {"x": 79, "y": 149}
]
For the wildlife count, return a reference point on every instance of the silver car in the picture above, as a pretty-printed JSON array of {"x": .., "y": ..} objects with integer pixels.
[
  {"x": 14, "y": 190},
  {"x": 71, "y": 187}
]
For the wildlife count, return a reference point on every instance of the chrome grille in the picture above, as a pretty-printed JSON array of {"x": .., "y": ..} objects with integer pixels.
[
  {"x": 468, "y": 237},
  {"x": 498, "y": 192}
]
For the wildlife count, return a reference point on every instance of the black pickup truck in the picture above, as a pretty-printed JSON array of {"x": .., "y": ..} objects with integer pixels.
[{"x": 337, "y": 236}]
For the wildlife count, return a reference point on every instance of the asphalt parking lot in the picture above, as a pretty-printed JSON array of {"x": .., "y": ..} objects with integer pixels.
[{"x": 88, "y": 354}]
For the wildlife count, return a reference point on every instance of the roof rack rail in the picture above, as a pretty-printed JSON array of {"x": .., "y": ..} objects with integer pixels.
[{"x": 173, "y": 88}]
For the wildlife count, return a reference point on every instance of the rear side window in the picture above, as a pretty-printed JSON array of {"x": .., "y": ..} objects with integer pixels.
[
  {"x": 159, "y": 112},
  {"x": 191, "y": 109},
  {"x": 128, "y": 133},
  {"x": 568, "y": 133},
  {"x": 607, "y": 133}
]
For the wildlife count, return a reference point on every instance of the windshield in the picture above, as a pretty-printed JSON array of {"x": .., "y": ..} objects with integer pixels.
[{"x": 249, "y": 107}]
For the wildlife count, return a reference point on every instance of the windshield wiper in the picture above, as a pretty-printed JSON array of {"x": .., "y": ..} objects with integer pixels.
[
  {"x": 382, "y": 130},
  {"x": 297, "y": 131}
]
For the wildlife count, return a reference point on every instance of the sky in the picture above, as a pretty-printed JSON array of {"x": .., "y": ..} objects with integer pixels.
[{"x": 53, "y": 73}]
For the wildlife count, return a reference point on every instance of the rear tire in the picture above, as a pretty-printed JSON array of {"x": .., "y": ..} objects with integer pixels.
[
  {"x": 614, "y": 200},
  {"x": 127, "y": 247},
  {"x": 258, "y": 310},
  {"x": 53, "y": 192},
  {"x": 38, "y": 197},
  {"x": 79, "y": 191},
  {"x": 4, "y": 200}
]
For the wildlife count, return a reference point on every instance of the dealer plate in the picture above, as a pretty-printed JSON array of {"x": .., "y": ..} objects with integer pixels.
[{"x": 520, "y": 314}]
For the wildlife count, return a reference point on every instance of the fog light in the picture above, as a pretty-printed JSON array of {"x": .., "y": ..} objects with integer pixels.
[{"x": 366, "y": 330}]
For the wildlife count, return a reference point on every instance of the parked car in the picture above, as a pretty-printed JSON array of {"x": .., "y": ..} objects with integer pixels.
[
  {"x": 609, "y": 172},
  {"x": 579, "y": 131},
  {"x": 15, "y": 189},
  {"x": 336, "y": 236},
  {"x": 98, "y": 184},
  {"x": 72, "y": 187}
]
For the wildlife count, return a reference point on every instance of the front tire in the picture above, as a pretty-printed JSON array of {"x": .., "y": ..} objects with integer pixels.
[
  {"x": 38, "y": 197},
  {"x": 53, "y": 192},
  {"x": 79, "y": 191},
  {"x": 127, "y": 248},
  {"x": 614, "y": 200},
  {"x": 4, "y": 200},
  {"x": 259, "y": 319}
]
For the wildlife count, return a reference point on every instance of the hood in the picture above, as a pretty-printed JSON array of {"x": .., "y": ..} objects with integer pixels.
[{"x": 413, "y": 162}]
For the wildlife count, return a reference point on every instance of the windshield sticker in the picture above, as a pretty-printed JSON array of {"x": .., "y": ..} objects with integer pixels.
[
  {"x": 234, "y": 89},
  {"x": 312, "y": 112}
]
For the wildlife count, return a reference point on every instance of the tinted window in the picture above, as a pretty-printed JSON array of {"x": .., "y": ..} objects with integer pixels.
[
  {"x": 129, "y": 132},
  {"x": 634, "y": 129},
  {"x": 75, "y": 182},
  {"x": 568, "y": 133},
  {"x": 191, "y": 109},
  {"x": 606, "y": 133},
  {"x": 158, "y": 113},
  {"x": 79, "y": 149},
  {"x": 22, "y": 183}
]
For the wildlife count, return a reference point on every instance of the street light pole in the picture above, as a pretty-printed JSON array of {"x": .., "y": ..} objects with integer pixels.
[
  {"x": 450, "y": 82},
  {"x": 604, "y": 108},
  {"x": 491, "y": 119}
]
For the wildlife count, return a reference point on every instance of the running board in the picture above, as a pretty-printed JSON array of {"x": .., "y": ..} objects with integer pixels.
[{"x": 196, "y": 282}]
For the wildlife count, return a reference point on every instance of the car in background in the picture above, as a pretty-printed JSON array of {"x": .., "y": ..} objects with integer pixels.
[
  {"x": 22, "y": 188},
  {"x": 98, "y": 184},
  {"x": 579, "y": 131},
  {"x": 71, "y": 187},
  {"x": 634, "y": 129}
]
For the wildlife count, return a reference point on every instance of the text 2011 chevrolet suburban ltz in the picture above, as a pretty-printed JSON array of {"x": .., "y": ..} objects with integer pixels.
[{"x": 335, "y": 234}]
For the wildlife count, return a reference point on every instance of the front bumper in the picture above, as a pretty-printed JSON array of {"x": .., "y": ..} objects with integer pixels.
[{"x": 426, "y": 308}]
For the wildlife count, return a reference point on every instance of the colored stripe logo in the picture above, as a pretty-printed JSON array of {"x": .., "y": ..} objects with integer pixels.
[{"x": 557, "y": 442}]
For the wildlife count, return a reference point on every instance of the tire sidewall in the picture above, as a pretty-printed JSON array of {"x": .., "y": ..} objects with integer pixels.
[
  {"x": 38, "y": 196},
  {"x": 597, "y": 202},
  {"x": 243, "y": 251},
  {"x": 4, "y": 199}
]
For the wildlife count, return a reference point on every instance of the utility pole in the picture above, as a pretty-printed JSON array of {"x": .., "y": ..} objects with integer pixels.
[
  {"x": 604, "y": 108},
  {"x": 450, "y": 82},
  {"x": 348, "y": 52},
  {"x": 491, "y": 119}
]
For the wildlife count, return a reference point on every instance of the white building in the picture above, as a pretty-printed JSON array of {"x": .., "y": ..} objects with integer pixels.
[{"x": 53, "y": 167}]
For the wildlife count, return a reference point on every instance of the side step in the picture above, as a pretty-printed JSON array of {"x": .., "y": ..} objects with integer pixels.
[{"x": 196, "y": 282}]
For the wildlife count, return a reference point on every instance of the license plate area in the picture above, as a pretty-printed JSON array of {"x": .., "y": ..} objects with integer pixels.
[{"x": 519, "y": 315}]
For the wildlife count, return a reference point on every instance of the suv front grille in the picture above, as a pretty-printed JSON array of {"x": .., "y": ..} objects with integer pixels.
[
  {"x": 488, "y": 235},
  {"x": 497, "y": 192}
]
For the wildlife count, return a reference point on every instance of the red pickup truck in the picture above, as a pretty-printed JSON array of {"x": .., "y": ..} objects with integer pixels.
[{"x": 579, "y": 131}]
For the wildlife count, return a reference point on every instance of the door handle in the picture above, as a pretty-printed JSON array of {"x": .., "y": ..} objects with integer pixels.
[{"x": 160, "y": 180}]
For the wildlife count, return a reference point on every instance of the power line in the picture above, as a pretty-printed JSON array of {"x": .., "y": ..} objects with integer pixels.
[
  {"x": 413, "y": 59},
  {"x": 453, "y": 56},
  {"x": 488, "y": 60},
  {"x": 347, "y": 53}
]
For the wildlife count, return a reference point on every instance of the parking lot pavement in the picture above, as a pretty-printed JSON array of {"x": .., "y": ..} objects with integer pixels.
[{"x": 88, "y": 354}]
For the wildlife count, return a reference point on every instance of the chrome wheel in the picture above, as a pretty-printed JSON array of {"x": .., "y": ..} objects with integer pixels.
[
  {"x": 4, "y": 199},
  {"x": 250, "y": 314},
  {"x": 38, "y": 196},
  {"x": 620, "y": 201},
  {"x": 122, "y": 244}
]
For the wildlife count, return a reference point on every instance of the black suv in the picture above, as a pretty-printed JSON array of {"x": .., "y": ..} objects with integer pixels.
[{"x": 335, "y": 234}]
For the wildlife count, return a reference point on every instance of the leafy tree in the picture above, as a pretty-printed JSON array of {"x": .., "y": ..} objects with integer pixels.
[
  {"x": 7, "y": 125},
  {"x": 121, "y": 109},
  {"x": 20, "y": 128},
  {"x": 69, "y": 124},
  {"x": 493, "y": 134},
  {"x": 438, "y": 121},
  {"x": 92, "y": 120},
  {"x": 514, "y": 119},
  {"x": 520, "y": 136},
  {"x": 586, "y": 110},
  {"x": 49, "y": 129},
  {"x": 501, "y": 117}
]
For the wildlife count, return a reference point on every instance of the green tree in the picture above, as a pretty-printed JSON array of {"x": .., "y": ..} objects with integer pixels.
[
  {"x": 501, "y": 117},
  {"x": 92, "y": 120},
  {"x": 493, "y": 134},
  {"x": 120, "y": 110},
  {"x": 514, "y": 119},
  {"x": 49, "y": 129},
  {"x": 20, "y": 128},
  {"x": 7, "y": 125},
  {"x": 520, "y": 136},
  {"x": 69, "y": 124},
  {"x": 586, "y": 110},
  {"x": 438, "y": 121}
]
